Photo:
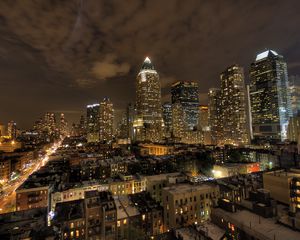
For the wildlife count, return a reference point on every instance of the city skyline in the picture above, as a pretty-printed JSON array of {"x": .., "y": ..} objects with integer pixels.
[
  {"x": 150, "y": 120},
  {"x": 60, "y": 88}
]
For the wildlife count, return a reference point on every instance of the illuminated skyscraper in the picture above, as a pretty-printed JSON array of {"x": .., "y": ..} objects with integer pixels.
[
  {"x": 186, "y": 93},
  {"x": 148, "y": 125},
  {"x": 270, "y": 98},
  {"x": 204, "y": 124},
  {"x": 106, "y": 120},
  {"x": 63, "y": 126},
  {"x": 12, "y": 129},
  {"x": 214, "y": 115},
  {"x": 294, "y": 88},
  {"x": 233, "y": 106},
  {"x": 203, "y": 118},
  {"x": 92, "y": 122},
  {"x": 178, "y": 125},
  {"x": 167, "y": 116}
]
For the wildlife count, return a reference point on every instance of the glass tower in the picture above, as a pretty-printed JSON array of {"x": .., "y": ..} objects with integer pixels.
[
  {"x": 187, "y": 95},
  {"x": 269, "y": 97}
]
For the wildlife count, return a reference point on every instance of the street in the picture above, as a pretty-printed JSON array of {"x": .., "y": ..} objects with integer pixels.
[{"x": 8, "y": 197}]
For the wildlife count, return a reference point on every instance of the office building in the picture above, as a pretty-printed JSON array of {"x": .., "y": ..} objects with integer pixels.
[
  {"x": 186, "y": 94},
  {"x": 148, "y": 123},
  {"x": 294, "y": 88},
  {"x": 233, "y": 106},
  {"x": 92, "y": 122},
  {"x": 167, "y": 116},
  {"x": 12, "y": 130},
  {"x": 270, "y": 98},
  {"x": 106, "y": 120},
  {"x": 293, "y": 129},
  {"x": 214, "y": 115}
]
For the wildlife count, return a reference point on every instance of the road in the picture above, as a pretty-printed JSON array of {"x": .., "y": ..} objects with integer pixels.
[{"x": 8, "y": 198}]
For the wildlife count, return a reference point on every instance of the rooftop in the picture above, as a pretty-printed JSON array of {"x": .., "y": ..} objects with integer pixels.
[
  {"x": 263, "y": 228},
  {"x": 265, "y": 54},
  {"x": 187, "y": 188},
  {"x": 71, "y": 210},
  {"x": 147, "y": 65}
]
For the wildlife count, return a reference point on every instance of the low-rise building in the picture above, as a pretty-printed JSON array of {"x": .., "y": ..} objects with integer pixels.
[
  {"x": 69, "y": 220},
  {"x": 233, "y": 169},
  {"x": 186, "y": 204},
  {"x": 156, "y": 149}
]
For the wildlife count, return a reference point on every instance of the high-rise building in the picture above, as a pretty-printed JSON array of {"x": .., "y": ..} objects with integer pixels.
[
  {"x": 130, "y": 117},
  {"x": 187, "y": 94},
  {"x": 270, "y": 98},
  {"x": 294, "y": 88},
  {"x": 92, "y": 122},
  {"x": 293, "y": 130},
  {"x": 204, "y": 124},
  {"x": 203, "y": 118},
  {"x": 178, "y": 126},
  {"x": 214, "y": 115},
  {"x": 233, "y": 106},
  {"x": 106, "y": 118},
  {"x": 12, "y": 129},
  {"x": 50, "y": 123},
  {"x": 148, "y": 125},
  {"x": 2, "y": 130},
  {"x": 63, "y": 126},
  {"x": 167, "y": 116}
]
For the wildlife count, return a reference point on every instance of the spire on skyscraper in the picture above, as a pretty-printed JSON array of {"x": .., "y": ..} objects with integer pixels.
[{"x": 147, "y": 64}]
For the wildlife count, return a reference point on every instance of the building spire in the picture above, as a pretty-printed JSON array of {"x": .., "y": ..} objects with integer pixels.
[{"x": 147, "y": 64}]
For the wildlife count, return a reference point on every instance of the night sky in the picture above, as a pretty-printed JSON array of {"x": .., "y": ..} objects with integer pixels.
[{"x": 62, "y": 55}]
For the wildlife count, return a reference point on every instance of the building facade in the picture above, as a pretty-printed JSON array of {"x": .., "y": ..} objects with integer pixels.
[
  {"x": 294, "y": 88},
  {"x": 106, "y": 120},
  {"x": 214, "y": 115},
  {"x": 92, "y": 122},
  {"x": 167, "y": 116},
  {"x": 148, "y": 124},
  {"x": 270, "y": 98},
  {"x": 187, "y": 94},
  {"x": 233, "y": 106}
]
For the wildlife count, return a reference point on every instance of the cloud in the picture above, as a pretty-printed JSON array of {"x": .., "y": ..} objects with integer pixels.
[
  {"x": 109, "y": 68},
  {"x": 85, "y": 82}
]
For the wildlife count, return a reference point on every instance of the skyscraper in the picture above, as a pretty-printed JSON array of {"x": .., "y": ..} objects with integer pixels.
[
  {"x": 203, "y": 118},
  {"x": 294, "y": 88},
  {"x": 92, "y": 122},
  {"x": 204, "y": 124},
  {"x": 187, "y": 94},
  {"x": 270, "y": 98},
  {"x": 214, "y": 115},
  {"x": 12, "y": 129},
  {"x": 167, "y": 116},
  {"x": 149, "y": 122},
  {"x": 63, "y": 126},
  {"x": 106, "y": 120},
  {"x": 178, "y": 125},
  {"x": 233, "y": 106}
]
